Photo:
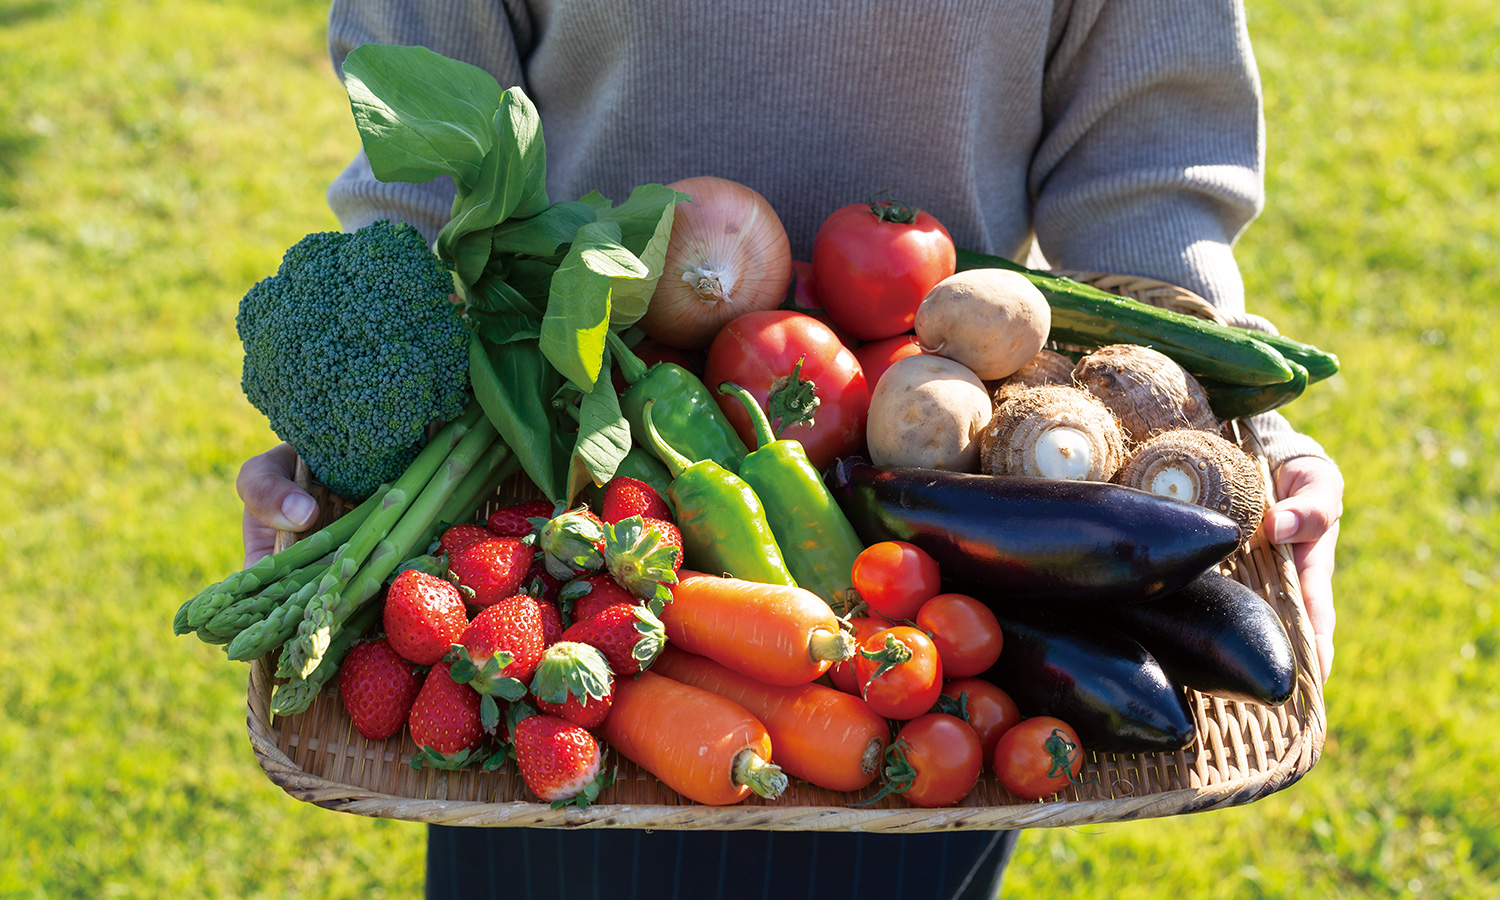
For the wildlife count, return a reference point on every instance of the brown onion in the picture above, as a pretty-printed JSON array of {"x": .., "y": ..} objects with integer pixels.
[{"x": 728, "y": 255}]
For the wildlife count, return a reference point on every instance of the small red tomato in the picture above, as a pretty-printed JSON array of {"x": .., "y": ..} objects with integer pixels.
[
  {"x": 895, "y": 578},
  {"x": 966, "y": 633},
  {"x": 877, "y": 356},
  {"x": 941, "y": 757},
  {"x": 874, "y": 262},
  {"x": 1038, "y": 758},
  {"x": 899, "y": 672},
  {"x": 842, "y": 673},
  {"x": 991, "y": 711}
]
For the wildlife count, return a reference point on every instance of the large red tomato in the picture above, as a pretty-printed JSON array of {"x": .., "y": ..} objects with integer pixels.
[
  {"x": 759, "y": 352},
  {"x": 874, "y": 262}
]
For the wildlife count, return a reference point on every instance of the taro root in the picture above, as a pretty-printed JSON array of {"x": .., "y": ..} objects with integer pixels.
[
  {"x": 1199, "y": 467},
  {"x": 1147, "y": 390},
  {"x": 1046, "y": 367},
  {"x": 1052, "y": 431}
]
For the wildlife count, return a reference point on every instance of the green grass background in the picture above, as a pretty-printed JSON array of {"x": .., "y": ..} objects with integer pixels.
[{"x": 156, "y": 158}]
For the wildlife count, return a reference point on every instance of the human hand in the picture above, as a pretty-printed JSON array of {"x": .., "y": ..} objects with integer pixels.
[
  {"x": 273, "y": 501},
  {"x": 1310, "y": 500}
]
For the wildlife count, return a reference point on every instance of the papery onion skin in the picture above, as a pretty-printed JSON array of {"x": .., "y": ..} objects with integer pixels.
[{"x": 728, "y": 255}]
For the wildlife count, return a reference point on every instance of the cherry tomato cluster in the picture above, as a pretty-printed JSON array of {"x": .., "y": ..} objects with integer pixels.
[{"x": 921, "y": 651}]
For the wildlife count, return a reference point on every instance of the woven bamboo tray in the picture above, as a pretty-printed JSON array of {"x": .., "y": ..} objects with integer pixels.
[{"x": 1243, "y": 751}]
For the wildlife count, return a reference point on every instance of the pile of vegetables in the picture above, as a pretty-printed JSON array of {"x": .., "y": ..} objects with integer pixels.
[{"x": 879, "y": 521}]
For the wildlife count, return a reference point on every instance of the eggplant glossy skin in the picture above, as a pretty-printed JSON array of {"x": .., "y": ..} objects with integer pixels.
[
  {"x": 1217, "y": 636},
  {"x": 1105, "y": 685},
  {"x": 1025, "y": 539}
]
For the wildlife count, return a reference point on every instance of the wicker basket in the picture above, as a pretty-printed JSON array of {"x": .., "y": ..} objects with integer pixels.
[{"x": 1243, "y": 751}]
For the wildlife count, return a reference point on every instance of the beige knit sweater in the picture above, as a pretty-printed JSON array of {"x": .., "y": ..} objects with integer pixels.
[{"x": 1103, "y": 135}]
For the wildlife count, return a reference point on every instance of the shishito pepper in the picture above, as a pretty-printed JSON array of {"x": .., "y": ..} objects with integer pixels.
[
  {"x": 723, "y": 524},
  {"x": 689, "y": 418},
  {"x": 814, "y": 535}
]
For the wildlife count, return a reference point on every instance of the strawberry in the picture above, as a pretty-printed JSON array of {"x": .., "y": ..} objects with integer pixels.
[
  {"x": 491, "y": 570},
  {"x": 378, "y": 688},
  {"x": 581, "y": 598},
  {"x": 457, "y": 537},
  {"x": 499, "y": 651},
  {"x": 540, "y": 583},
  {"x": 445, "y": 721},
  {"x": 628, "y": 634},
  {"x": 514, "y": 520},
  {"x": 574, "y": 682},
  {"x": 625, "y": 497},
  {"x": 643, "y": 558},
  {"x": 572, "y": 543},
  {"x": 552, "y": 623},
  {"x": 671, "y": 536},
  {"x": 423, "y": 616},
  {"x": 560, "y": 762}
]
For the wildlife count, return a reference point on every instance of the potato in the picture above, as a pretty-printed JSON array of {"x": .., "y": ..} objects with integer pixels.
[
  {"x": 991, "y": 320},
  {"x": 927, "y": 412}
]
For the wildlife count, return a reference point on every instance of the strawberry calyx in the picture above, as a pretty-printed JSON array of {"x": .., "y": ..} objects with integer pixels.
[
  {"x": 641, "y": 560},
  {"x": 570, "y": 543},
  {"x": 572, "y": 669},
  {"x": 436, "y": 759},
  {"x": 488, "y": 679}
]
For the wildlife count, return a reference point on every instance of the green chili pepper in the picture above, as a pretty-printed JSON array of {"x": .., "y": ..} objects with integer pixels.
[
  {"x": 723, "y": 524},
  {"x": 690, "y": 419},
  {"x": 815, "y": 536}
]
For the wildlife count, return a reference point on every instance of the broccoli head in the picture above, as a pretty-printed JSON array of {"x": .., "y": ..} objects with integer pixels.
[{"x": 352, "y": 349}]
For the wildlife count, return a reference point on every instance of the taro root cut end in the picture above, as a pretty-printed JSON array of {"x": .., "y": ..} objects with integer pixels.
[
  {"x": 1052, "y": 431},
  {"x": 1199, "y": 467}
]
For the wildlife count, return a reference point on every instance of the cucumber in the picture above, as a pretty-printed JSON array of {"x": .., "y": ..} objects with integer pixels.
[
  {"x": 1237, "y": 401},
  {"x": 1319, "y": 364},
  {"x": 1085, "y": 316}
]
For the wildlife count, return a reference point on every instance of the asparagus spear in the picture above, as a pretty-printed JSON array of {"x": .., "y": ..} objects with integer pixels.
[
  {"x": 243, "y": 613},
  {"x": 260, "y": 638},
  {"x": 214, "y": 599},
  {"x": 339, "y": 597},
  {"x": 296, "y": 696}
]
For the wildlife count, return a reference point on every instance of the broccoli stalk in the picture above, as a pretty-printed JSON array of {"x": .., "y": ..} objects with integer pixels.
[{"x": 343, "y": 592}]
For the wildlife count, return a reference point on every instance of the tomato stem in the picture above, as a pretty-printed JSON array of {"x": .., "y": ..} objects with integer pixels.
[
  {"x": 892, "y": 210},
  {"x": 1064, "y": 753}
]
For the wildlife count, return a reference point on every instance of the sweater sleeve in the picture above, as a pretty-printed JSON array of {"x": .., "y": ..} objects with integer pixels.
[
  {"x": 1152, "y": 158},
  {"x": 491, "y": 35}
]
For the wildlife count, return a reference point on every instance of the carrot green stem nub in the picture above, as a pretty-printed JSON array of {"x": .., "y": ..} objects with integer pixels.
[{"x": 764, "y": 778}]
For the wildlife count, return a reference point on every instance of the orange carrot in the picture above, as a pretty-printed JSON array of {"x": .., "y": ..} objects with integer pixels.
[
  {"x": 701, "y": 745},
  {"x": 774, "y": 633},
  {"x": 821, "y": 735}
]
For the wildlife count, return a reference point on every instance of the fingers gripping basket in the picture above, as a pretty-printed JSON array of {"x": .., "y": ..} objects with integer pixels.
[{"x": 1243, "y": 751}]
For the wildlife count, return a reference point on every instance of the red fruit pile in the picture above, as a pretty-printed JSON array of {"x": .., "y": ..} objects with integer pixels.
[{"x": 541, "y": 609}]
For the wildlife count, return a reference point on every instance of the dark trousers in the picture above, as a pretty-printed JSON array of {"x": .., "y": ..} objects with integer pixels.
[{"x": 548, "y": 864}]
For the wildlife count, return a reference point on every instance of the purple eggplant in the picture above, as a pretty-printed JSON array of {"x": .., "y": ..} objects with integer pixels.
[
  {"x": 1104, "y": 684},
  {"x": 1027, "y": 539},
  {"x": 1217, "y": 636}
]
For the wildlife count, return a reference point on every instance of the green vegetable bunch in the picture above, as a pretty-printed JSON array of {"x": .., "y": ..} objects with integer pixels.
[
  {"x": 314, "y": 599},
  {"x": 352, "y": 349},
  {"x": 545, "y": 284}
]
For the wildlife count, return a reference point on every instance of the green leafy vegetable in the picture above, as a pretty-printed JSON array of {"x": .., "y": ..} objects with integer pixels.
[{"x": 544, "y": 283}]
